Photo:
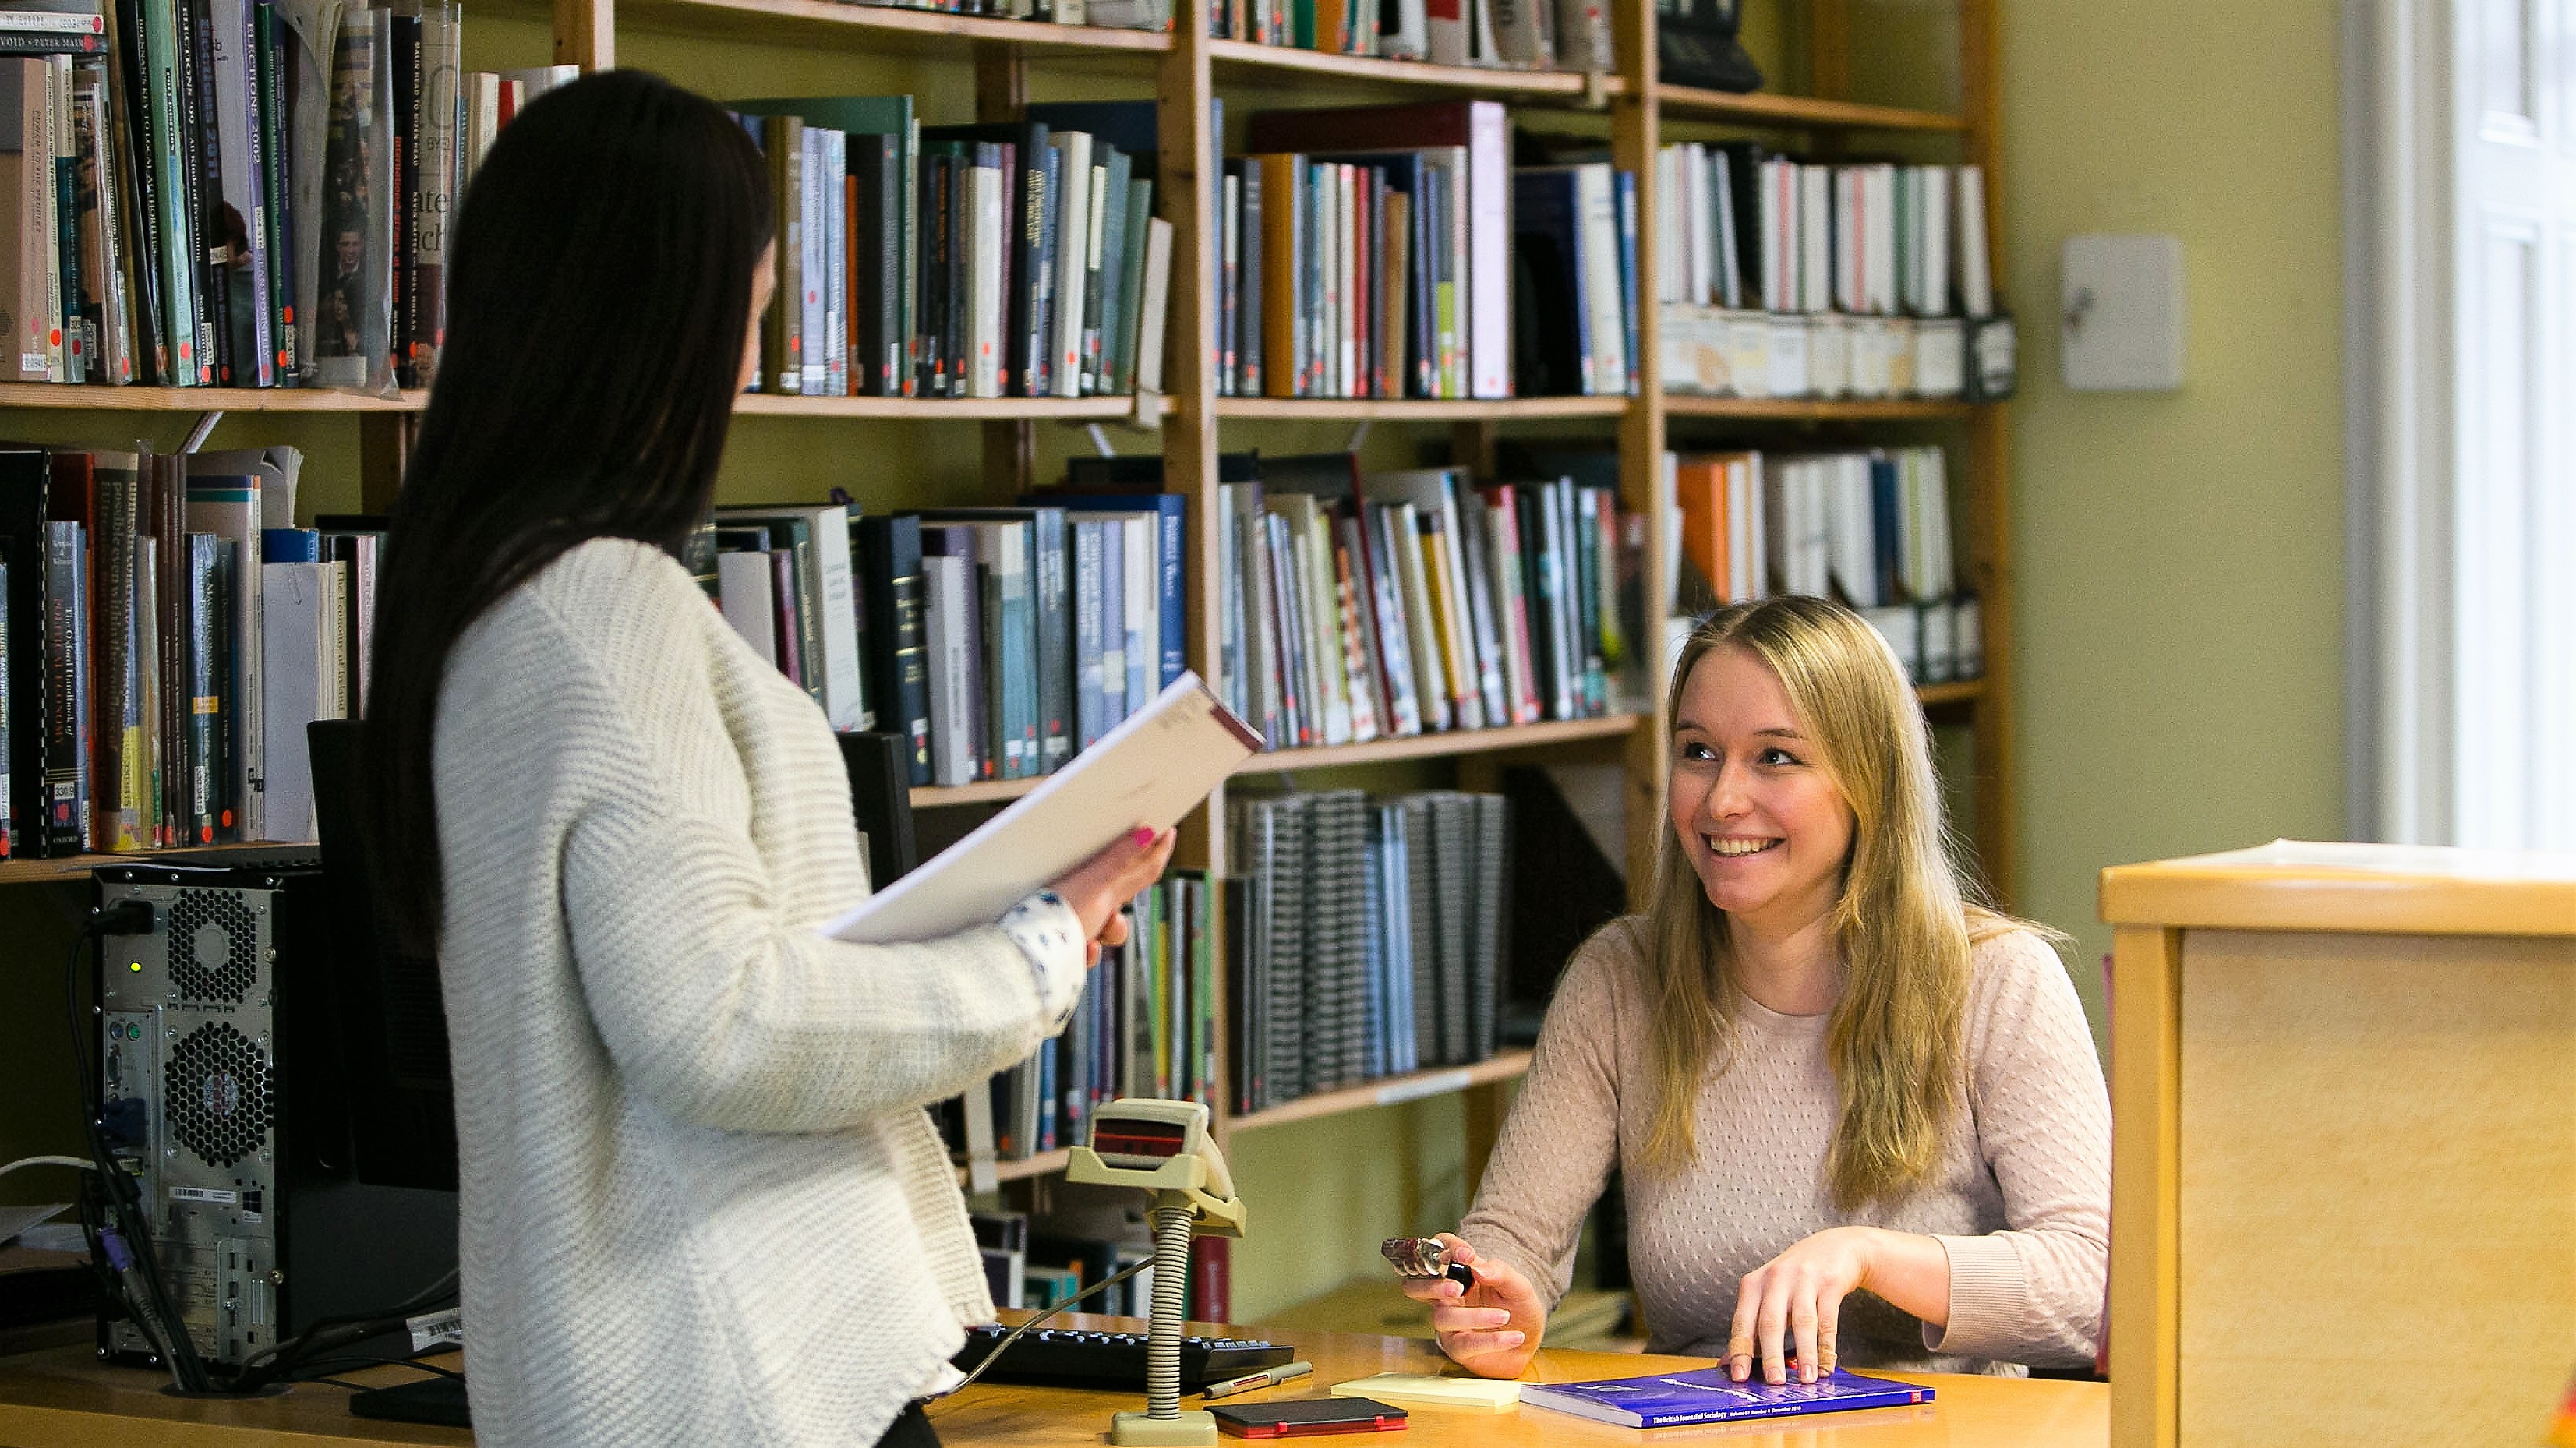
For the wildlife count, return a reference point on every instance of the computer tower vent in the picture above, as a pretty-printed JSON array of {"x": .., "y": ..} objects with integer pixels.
[
  {"x": 217, "y": 1092},
  {"x": 214, "y": 945}
]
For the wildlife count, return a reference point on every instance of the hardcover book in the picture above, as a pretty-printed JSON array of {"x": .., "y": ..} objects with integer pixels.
[{"x": 1706, "y": 1396}]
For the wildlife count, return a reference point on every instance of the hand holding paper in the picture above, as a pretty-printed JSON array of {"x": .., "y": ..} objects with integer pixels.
[
  {"x": 1147, "y": 772},
  {"x": 1100, "y": 887}
]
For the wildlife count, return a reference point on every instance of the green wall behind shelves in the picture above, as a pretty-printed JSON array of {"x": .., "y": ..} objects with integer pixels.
[{"x": 2179, "y": 606}]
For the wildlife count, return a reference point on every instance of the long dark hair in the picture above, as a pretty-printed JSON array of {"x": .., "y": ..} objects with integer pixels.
[{"x": 598, "y": 293}]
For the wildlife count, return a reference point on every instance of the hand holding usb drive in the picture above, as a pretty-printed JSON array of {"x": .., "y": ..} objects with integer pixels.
[{"x": 1425, "y": 1257}]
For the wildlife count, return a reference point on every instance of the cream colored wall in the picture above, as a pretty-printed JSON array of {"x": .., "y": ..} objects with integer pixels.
[{"x": 2180, "y": 602}]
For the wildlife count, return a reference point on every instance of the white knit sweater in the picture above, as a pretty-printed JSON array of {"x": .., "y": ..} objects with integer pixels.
[{"x": 701, "y": 1201}]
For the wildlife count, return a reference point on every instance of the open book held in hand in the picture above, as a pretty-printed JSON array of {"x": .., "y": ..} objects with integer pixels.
[{"x": 1149, "y": 771}]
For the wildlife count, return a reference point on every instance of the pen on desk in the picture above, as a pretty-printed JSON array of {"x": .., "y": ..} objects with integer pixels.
[{"x": 1262, "y": 1379}]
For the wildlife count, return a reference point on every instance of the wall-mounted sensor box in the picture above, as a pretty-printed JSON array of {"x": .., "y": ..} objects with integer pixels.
[{"x": 2120, "y": 313}]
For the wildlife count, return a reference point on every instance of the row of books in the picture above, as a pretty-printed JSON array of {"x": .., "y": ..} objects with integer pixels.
[
  {"x": 1509, "y": 34},
  {"x": 1714, "y": 352},
  {"x": 239, "y": 193},
  {"x": 1364, "y": 938},
  {"x": 1872, "y": 528},
  {"x": 1006, "y": 260},
  {"x": 1360, "y": 606},
  {"x": 1365, "y": 252},
  {"x": 1145, "y": 1025},
  {"x": 165, "y": 637},
  {"x": 1104, "y": 14},
  {"x": 997, "y": 640},
  {"x": 1751, "y": 230}
]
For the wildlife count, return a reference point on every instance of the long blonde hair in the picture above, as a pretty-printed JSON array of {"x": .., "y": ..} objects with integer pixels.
[{"x": 1902, "y": 922}]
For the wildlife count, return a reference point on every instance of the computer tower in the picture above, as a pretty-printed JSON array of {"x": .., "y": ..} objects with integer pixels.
[{"x": 227, "y": 1082}]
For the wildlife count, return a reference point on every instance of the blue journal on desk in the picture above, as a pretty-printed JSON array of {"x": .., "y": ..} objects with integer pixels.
[{"x": 1705, "y": 1396}]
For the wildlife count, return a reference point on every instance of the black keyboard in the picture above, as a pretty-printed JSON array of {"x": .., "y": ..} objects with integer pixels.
[{"x": 1112, "y": 1361}]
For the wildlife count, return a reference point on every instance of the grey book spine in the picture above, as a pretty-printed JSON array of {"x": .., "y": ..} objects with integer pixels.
[
  {"x": 1453, "y": 863},
  {"x": 1054, "y": 640},
  {"x": 1486, "y": 913},
  {"x": 1422, "y": 926}
]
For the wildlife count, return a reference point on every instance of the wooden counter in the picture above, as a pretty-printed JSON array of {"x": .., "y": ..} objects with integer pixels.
[
  {"x": 2344, "y": 1182},
  {"x": 64, "y": 1399}
]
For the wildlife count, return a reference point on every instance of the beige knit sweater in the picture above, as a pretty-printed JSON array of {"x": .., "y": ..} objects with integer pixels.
[
  {"x": 2020, "y": 1198},
  {"x": 701, "y": 1203}
]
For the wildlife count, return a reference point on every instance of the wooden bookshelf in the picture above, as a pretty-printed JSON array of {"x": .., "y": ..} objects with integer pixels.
[
  {"x": 59, "y": 868},
  {"x": 872, "y": 27},
  {"x": 1950, "y": 695},
  {"x": 1806, "y": 113},
  {"x": 1183, "y": 69},
  {"x": 1381, "y": 409},
  {"x": 66, "y": 397},
  {"x": 1045, "y": 1163},
  {"x": 1285, "y": 64},
  {"x": 1387, "y": 1091},
  {"x": 1450, "y": 744},
  {"x": 1813, "y": 409},
  {"x": 942, "y": 409},
  {"x": 1440, "y": 746}
]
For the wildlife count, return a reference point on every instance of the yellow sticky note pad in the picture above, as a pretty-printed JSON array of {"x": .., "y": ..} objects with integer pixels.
[{"x": 1427, "y": 1390}]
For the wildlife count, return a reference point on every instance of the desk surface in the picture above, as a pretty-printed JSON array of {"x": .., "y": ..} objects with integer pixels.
[{"x": 65, "y": 1399}]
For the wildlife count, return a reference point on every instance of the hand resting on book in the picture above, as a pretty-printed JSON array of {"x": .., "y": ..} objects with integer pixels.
[{"x": 1100, "y": 887}]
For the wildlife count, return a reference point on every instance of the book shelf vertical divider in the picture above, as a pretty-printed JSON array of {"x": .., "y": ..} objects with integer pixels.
[
  {"x": 1184, "y": 85},
  {"x": 1990, "y": 472},
  {"x": 1829, "y": 68},
  {"x": 586, "y": 33},
  {"x": 1635, "y": 137}
]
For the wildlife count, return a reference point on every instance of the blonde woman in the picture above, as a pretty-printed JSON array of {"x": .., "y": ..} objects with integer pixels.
[{"x": 1856, "y": 1115}]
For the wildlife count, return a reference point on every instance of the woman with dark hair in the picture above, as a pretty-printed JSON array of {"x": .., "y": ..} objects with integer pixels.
[{"x": 701, "y": 1202}]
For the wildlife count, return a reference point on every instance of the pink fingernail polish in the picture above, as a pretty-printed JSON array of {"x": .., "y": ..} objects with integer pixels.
[{"x": 1144, "y": 836}]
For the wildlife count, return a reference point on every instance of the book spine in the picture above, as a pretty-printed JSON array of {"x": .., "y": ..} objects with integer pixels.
[
  {"x": 204, "y": 158},
  {"x": 66, "y": 822},
  {"x": 70, "y": 344},
  {"x": 1045, "y": 222},
  {"x": 1088, "y": 608},
  {"x": 232, "y": 58},
  {"x": 897, "y": 560},
  {"x": 1124, "y": 344},
  {"x": 1055, "y": 703},
  {"x": 177, "y": 226},
  {"x": 1250, "y": 281},
  {"x": 433, "y": 192},
  {"x": 268, "y": 57},
  {"x": 120, "y": 821},
  {"x": 813, "y": 368},
  {"x": 1144, "y": 626},
  {"x": 1114, "y": 701},
  {"x": 1099, "y": 271}
]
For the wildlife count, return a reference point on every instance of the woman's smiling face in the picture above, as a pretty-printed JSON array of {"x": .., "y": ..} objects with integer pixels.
[{"x": 1759, "y": 816}]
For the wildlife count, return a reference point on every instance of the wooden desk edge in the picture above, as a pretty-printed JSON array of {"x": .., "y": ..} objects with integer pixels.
[
  {"x": 2184, "y": 896},
  {"x": 60, "y": 1398}
]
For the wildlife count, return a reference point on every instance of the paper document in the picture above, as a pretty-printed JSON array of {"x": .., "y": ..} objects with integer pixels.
[{"x": 1150, "y": 771}]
